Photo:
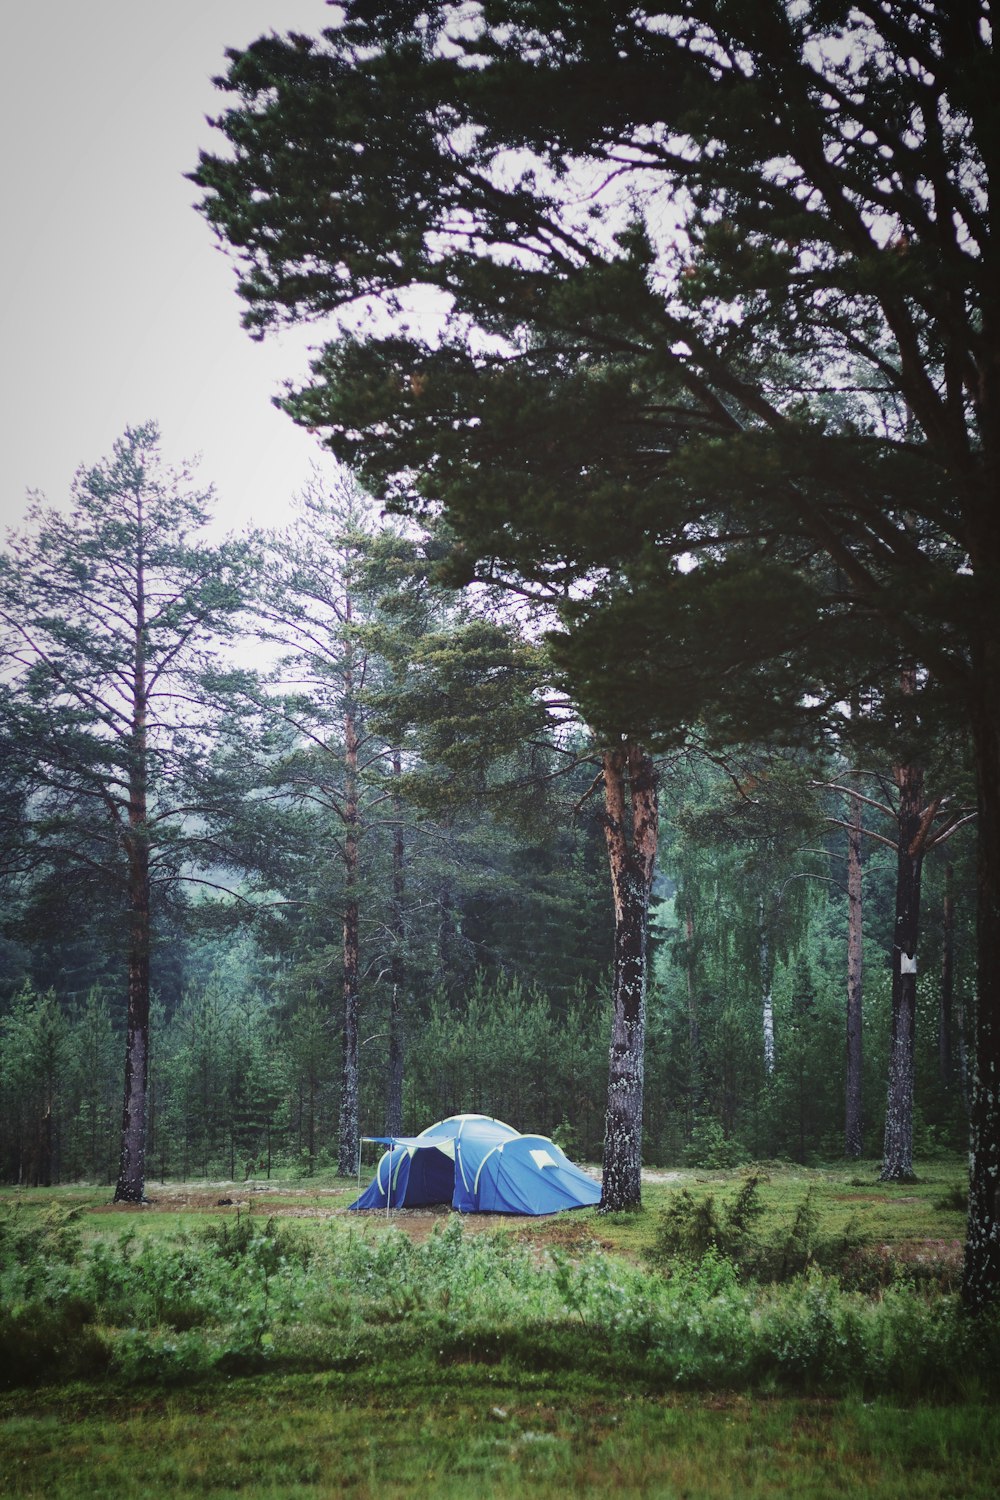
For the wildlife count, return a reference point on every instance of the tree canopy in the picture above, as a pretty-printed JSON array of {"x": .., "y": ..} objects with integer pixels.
[
  {"x": 714, "y": 283},
  {"x": 715, "y": 357}
]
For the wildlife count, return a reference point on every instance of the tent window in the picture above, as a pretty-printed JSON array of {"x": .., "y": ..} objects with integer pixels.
[{"x": 543, "y": 1159}]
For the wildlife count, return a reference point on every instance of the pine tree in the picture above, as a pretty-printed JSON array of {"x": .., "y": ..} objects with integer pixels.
[
  {"x": 746, "y": 251},
  {"x": 34, "y": 1059},
  {"x": 109, "y": 616},
  {"x": 316, "y": 601}
]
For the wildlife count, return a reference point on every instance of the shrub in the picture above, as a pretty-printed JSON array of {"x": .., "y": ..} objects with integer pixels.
[
  {"x": 955, "y": 1200},
  {"x": 39, "y": 1340},
  {"x": 712, "y": 1149},
  {"x": 153, "y": 1285},
  {"x": 166, "y": 1312},
  {"x": 244, "y": 1239},
  {"x": 45, "y": 1240},
  {"x": 689, "y": 1228},
  {"x": 143, "y": 1358}
]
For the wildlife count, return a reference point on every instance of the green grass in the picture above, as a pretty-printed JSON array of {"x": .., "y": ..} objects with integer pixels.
[
  {"x": 475, "y": 1432},
  {"x": 849, "y": 1200},
  {"x": 277, "y": 1347},
  {"x": 885, "y": 1213},
  {"x": 180, "y": 1208}
]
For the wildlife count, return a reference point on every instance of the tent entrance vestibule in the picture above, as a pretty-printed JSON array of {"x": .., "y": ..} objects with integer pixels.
[{"x": 436, "y": 1173}]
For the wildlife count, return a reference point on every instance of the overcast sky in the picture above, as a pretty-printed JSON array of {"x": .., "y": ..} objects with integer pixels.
[{"x": 117, "y": 304}]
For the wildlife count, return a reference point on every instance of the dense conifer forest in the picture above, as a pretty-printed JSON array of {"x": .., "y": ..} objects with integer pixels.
[
  {"x": 607, "y": 742},
  {"x": 611, "y": 742},
  {"x": 403, "y": 802}
]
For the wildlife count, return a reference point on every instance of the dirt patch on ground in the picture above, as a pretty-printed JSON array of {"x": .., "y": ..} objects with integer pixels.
[
  {"x": 225, "y": 1199},
  {"x": 925, "y": 1253},
  {"x": 865, "y": 1198},
  {"x": 875, "y": 1198},
  {"x": 288, "y": 1202},
  {"x": 562, "y": 1232},
  {"x": 565, "y": 1231}
]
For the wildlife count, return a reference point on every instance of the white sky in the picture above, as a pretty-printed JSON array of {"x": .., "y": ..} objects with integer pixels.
[{"x": 117, "y": 304}]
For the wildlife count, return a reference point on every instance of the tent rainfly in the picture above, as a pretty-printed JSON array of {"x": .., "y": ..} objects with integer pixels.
[{"x": 478, "y": 1165}]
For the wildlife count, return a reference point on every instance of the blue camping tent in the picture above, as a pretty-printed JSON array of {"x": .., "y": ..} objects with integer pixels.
[
  {"x": 478, "y": 1165},
  {"x": 531, "y": 1175}
]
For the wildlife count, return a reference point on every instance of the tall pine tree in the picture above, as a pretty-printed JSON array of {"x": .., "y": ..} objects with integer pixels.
[
  {"x": 724, "y": 217},
  {"x": 110, "y": 616}
]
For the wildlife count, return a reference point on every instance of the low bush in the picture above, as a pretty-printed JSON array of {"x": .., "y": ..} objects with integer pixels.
[
  {"x": 170, "y": 1312},
  {"x": 245, "y": 1240},
  {"x": 32, "y": 1247},
  {"x": 41, "y": 1339},
  {"x": 689, "y": 1228}
]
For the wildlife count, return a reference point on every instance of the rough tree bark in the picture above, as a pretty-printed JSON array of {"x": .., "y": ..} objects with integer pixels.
[
  {"x": 631, "y": 826},
  {"x": 919, "y": 828},
  {"x": 694, "y": 1027},
  {"x": 963, "y": 1056},
  {"x": 131, "y": 1185},
  {"x": 946, "y": 1003},
  {"x": 766, "y": 981},
  {"x": 897, "y": 1159},
  {"x": 349, "y": 1130},
  {"x": 397, "y": 967},
  {"x": 853, "y": 1109},
  {"x": 981, "y": 1279}
]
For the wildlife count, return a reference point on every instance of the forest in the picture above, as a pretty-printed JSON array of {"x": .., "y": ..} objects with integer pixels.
[
  {"x": 377, "y": 886},
  {"x": 609, "y": 743},
  {"x": 653, "y": 542}
]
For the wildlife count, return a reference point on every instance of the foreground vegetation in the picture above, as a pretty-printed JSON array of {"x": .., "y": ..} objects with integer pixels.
[
  {"x": 473, "y": 1430},
  {"x": 694, "y": 1347}
]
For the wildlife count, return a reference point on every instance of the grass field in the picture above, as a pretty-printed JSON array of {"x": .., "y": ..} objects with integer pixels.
[
  {"x": 468, "y": 1435},
  {"x": 930, "y": 1211},
  {"x": 275, "y": 1346}
]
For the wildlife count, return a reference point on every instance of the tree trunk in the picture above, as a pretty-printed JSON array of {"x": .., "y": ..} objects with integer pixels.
[
  {"x": 853, "y": 1110},
  {"x": 694, "y": 1028},
  {"x": 394, "y": 1083},
  {"x": 131, "y": 1186},
  {"x": 349, "y": 1122},
  {"x": 897, "y": 1162},
  {"x": 45, "y": 1147},
  {"x": 768, "y": 999},
  {"x": 946, "y": 1005},
  {"x": 981, "y": 1281},
  {"x": 631, "y": 828},
  {"x": 961, "y": 1047},
  {"x": 802, "y": 1102},
  {"x": 349, "y": 1119}
]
